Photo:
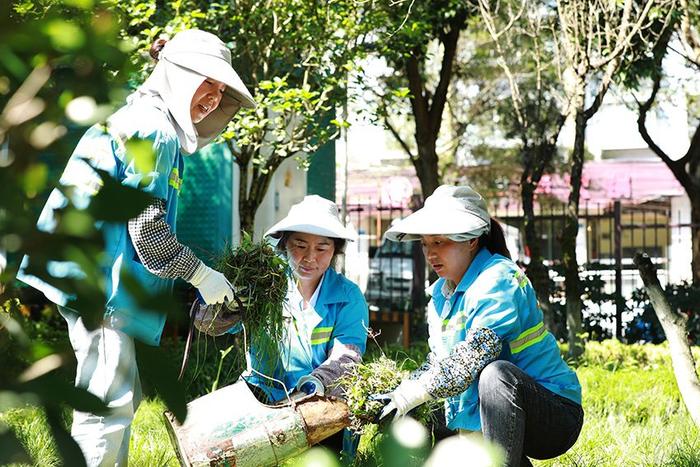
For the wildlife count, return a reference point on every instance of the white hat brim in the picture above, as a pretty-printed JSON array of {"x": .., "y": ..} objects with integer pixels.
[
  {"x": 434, "y": 222},
  {"x": 215, "y": 68},
  {"x": 331, "y": 230}
]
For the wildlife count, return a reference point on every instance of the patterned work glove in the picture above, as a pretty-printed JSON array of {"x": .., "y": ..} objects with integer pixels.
[{"x": 216, "y": 320}]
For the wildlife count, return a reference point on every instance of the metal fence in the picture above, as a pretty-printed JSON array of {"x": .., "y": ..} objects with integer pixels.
[{"x": 609, "y": 235}]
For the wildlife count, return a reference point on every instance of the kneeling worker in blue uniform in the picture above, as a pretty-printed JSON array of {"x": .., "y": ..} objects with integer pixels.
[
  {"x": 326, "y": 314},
  {"x": 491, "y": 358}
]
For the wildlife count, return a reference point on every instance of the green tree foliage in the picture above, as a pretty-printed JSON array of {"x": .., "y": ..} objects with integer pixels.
[
  {"x": 418, "y": 41},
  {"x": 596, "y": 39},
  {"x": 650, "y": 80},
  {"x": 292, "y": 54},
  {"x": 62, "y": 66}
]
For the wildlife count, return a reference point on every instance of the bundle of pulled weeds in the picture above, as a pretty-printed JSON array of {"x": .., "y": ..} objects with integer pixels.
[
  {"x": 258, "y": 275},
  {"x": 379, "y": 376}
]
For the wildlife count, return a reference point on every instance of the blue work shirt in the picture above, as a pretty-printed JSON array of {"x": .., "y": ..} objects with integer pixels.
[
  {"x": 104, "y": 148},
  {"x": 339, "y": 315},
  {"x": 494, "y": 293}
]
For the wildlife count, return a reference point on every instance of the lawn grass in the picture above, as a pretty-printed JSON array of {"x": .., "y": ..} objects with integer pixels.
[{"x": 634, "y": 416}]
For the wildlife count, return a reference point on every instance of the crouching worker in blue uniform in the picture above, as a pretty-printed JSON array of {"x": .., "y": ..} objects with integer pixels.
[
  {"x": 326, "y": 314},
  {"x": 491, "y": 358},
  {"x": 191, "y": 95}
]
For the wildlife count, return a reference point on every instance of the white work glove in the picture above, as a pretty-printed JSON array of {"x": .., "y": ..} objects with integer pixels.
[
  {"x": 212, "y": 285},
  {"x": 310, "y": 385},
  {"x": 407, "y": 396}
]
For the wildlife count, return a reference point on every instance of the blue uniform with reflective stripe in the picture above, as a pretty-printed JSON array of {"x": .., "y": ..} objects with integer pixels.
[
  {"x": 340, "y": 315},
  {"x": 105, "y": 150},
  {"x": 495, "y": 294}
]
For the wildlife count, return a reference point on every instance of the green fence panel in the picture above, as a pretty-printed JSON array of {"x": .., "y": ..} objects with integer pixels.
[{"x": 205, "y": 207}]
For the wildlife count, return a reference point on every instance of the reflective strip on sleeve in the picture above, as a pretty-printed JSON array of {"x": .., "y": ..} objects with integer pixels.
[
  {"x": 175, "y": 181},
  {"x": 321, "y": 335},
  {"x": 530, "y": 337},
  {"x": 521, "y": 278}
]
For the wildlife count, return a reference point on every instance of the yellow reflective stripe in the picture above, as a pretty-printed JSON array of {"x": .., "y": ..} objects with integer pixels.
[
  {"x": 521, "y": 278},
  {"x": 530, "y": 337},
  {"x": 321, "y": 335},
  {"x": 175, "y": 181}
]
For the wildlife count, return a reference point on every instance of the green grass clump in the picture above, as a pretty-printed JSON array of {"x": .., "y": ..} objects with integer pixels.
[
  {"x": 259, "y": 276},
  {"x": 379, "y": 376}
]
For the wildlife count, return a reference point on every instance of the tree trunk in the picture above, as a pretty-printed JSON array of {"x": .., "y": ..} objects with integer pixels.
[
  {"x": 246, "y": 212},
  {"x": 695, "y": 229},
  {"x": 574, "y": 318},
  {"x": 536, "y": 270},
  {"x": 427, "y": 167},
  {"x": 674, "y": 326}
]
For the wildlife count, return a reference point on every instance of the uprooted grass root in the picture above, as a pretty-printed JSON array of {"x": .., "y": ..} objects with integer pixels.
[{"x": 258, "y": 275}]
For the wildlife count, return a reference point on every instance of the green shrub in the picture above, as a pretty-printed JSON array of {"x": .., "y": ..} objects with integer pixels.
[
  {"x": 683, "y": 299},
  {"x": 613, "y": 355}
]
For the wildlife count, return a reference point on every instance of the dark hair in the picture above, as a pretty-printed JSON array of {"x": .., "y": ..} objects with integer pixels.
[
  {"x": 338, "y": 245},
  {"x": 156, "y": 47},
  {"x": 495, "y": 240}
]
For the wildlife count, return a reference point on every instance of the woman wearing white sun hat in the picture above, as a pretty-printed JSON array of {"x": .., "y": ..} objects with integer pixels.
[
  {"x": 189, "y": 98},
  {"x": 491, "y": 358},
  {"x": 326, "y": 314}
]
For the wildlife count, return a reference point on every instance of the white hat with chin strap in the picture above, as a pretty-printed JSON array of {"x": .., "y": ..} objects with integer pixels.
[
  {"x": 313, "y": 215},
  {"x": 184, "y": 63},
  {"x": 449, "y": 211}
]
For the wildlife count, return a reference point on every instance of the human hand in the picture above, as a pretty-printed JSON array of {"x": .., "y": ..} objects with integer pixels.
[
  {"x": 407, "y": 396},
  {"x": 310, "y": 384},
  {"x": 212, "y": 285},
  {"x": 216, "y": 320}
]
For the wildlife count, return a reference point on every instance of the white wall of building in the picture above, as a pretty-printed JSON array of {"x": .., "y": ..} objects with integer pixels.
[
  {"x": 288, "y": 187},
  {"x": 680, "y": 246}
]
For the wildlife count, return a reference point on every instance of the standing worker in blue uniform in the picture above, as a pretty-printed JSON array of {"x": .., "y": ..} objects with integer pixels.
[
  {"x": 326, "y": 313},
  {"x": 491, "y": 358},
  {"x": 189, "y": 98}
]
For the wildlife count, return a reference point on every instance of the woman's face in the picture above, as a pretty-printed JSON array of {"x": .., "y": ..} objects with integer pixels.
[
  {"x": 309, "y": 255},
  {"x": 206, "y": 98},
  {"x": 449, "y": 259}
]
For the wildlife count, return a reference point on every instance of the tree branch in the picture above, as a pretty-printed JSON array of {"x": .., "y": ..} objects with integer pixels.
[
  {"x": 398, "y": 138},
  {"x": 440, "y": 97},
  {"x": 677, "y": 167}
]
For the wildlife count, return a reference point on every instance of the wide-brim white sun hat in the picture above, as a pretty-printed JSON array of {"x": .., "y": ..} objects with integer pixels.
[
  {"x": 184, "y": 63},
  {"x": 313, "y": 215},
  {"x": 204, "y": 53},
  {"x": 450, "y": 210}
]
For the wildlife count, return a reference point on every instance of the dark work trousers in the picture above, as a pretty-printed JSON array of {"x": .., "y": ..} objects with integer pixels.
[{"x": 523, "y": 417}]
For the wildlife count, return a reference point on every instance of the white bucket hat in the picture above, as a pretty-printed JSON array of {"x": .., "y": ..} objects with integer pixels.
[
  {"x": 313, "y": 215},
  {"x": 450, "y": 210},
  {"x": 184, "y": 62}
]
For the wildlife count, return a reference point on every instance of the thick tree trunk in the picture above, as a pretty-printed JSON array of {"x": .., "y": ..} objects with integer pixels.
[
  {"x": 427, "y": 168},
  {"x": 674, "y": 326},
  {"x": 536, "y": 270},
  {"x": 695, "y": 228},
  {"x": 574, "y": 318}
]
